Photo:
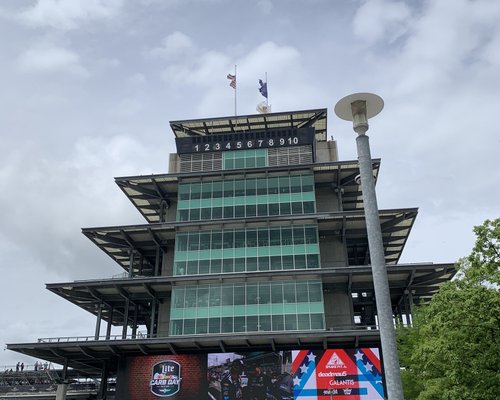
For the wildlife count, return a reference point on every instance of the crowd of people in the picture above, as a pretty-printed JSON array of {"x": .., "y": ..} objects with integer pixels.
[{"x": 20, "y": 367}]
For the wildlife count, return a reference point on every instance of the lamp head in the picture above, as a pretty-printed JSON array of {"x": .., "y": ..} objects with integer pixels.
[{"x": 358, "y": 108}]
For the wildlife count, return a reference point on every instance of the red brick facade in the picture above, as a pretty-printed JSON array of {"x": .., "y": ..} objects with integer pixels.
[{"x": 194, "y": 377}]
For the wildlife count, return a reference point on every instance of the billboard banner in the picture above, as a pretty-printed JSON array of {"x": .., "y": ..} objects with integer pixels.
[{"x": 332, "y": 374}]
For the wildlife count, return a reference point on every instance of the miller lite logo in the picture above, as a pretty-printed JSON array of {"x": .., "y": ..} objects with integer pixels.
[{"x": 166, "y": 378}]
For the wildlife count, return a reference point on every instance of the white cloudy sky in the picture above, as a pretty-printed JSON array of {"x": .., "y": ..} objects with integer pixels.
[{"x": 87, "y": 88}]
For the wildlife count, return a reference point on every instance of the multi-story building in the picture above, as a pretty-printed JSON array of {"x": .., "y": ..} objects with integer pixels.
[{"x": 255, "y": 241}]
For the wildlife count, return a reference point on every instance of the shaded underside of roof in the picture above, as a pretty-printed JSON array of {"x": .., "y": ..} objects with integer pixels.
[
  {"x": 148, "y": 192},
  {"x": 253, "y": 123},
  {"x": 147, "y": 240}
]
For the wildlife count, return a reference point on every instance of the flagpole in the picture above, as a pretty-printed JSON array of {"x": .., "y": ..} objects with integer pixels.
[
  {"x": 267, "y": 97},
  {"x": 235, "y": 89}
]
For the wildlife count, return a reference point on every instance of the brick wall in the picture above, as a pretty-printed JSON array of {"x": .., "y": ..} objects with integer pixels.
[{"x": 139, "y": 374}]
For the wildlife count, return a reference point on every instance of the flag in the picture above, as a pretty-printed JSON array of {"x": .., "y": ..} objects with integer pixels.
[
  {"x": 263, "y": 108},
  {"x": 263, "y": 88},
  {"x": 232, "y": 78}
]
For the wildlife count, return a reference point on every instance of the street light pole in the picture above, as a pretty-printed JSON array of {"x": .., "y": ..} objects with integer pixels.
[{"x": 358, "y": 108}]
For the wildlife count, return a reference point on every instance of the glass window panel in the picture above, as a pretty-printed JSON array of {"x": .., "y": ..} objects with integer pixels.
[
  {"x": 228, "y": 164},
  {"x": 251, "y": 187},
  {"x": 202, "y": 325},
  {"x": 184, "y": 191},
  {"x": 190, "y": 299},
  {"x": 228, "y": 212},
  {"x": 301, "y": 290},
  {"x": 215, "y": 266},
  {"x": 239, "y": 264},
  {"x": 252, "y": 264},
  {"x": 205, "y": 241},
  {"x": 307, "y": 183},
  {"x": 214, "y": 325},
  {"x": 274, "y": 209},
  {"x": 228, "y": 188},
  {"x": 189, "y": 325},
  {"x": 179, "y": 297},
  {"x": 181, "y": 242},
  {"x": 261, "y": 186},
  {"x": 291, "y": 322},
  {"x": 204, "y": 266},
  {"x": 183, "y": 215},
  {"x": 239, "y": 239},
  {"x": 284, "y": 184},
  {"x": 285, "y": 208},
  {"x": 239, "y": 324},
  {"x": 276, "y": 263},
  {"x": 192, "y": 267},
  {"x": 217, "y": 190},
  {"x": 311, "y": 236},
  {"x": 276, "y": 293},
  {"x": 227, "y": 324},
  {"x": 308, "y": 207},
  {"x": 289, "y": 293},
  {"x": 227, "y": 295},
  {"x": 315, "y": 291},
  {"x": 265, "y": 323},
  {"x": 264, "y": 293},
  {"x": 217, "y": 213},
  {"x": 194, "y": 214},
  {"x": 317, "y": 321},
  {"x": 295, "y": 184},
  {"x": 239, "y": 295},
  {"x": 251, "y": 238},
  {"x": 273, "y": 186},
  {"x": 286, "y": 236},
  {"x": 252, "y": 322},
  {"x": 176, "y": 327},
  {"x": 252, "y": 294},
  {"x": 263, "y": 237},
  {"x": 304, "y": 321},
  {"x": 250, "y": 163},
  {"x": 298, "y": 235},
  {"x": 216, "y": 240},
  {"x": 215, "y": 296},
  {"x": 297, "y": 207},
  {"x": 239, "y": 212},
  {"x": 239, "y": 163},
  {"x": 180, "y": 268},
  {"x": 275, "y": 236},
  {"x": 287, "y": 262},
  {"x": 263, "y": 264},
  {"x": 262, "y": 210},
  {"x": 300, "y": 262},
  {"x": 194, "y": 241},
  {"x": 228, "y": 239},
  {"x": 203, "y": 297},
  {"x": 228, "y": 265},
  {"x": 239, "y": 188},
  {"x": 278, "y": 324},
  {"x": 206, "y": 190},
  {"x": 261, "y": 162},
  {"x": 312, "y": 261},
  {"x": 195, "y": 191},
  {"x": 251, "y": 210}
]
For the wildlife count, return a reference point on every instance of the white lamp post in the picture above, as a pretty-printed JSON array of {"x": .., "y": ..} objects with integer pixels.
[{"x": 358, "y": 108}]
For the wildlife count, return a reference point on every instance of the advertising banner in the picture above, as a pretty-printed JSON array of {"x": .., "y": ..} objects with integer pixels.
[{"x": 332, "y": 374}]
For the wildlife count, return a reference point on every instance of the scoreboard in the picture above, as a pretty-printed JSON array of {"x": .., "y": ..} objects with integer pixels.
[{"x": 244, "y": 141}]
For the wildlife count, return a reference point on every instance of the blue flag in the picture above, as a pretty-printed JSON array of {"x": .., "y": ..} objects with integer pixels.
[{"x": 263, "y": 88}]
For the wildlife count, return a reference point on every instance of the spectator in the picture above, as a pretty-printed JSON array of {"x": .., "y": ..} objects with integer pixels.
[{"x": 22, "y": 366}]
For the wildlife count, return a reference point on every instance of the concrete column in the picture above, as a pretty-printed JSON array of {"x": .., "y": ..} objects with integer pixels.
[
  {"x": 98, "y": 322},
  {"x": 110, "y": 324},
  {"x": 62, "y": 388}
]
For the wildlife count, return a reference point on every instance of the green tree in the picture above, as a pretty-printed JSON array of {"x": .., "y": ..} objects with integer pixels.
[{"x": 453, "y": 349}]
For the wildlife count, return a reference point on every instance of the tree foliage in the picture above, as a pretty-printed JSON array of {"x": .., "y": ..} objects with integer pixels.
[{"x": 453, "y": 349}]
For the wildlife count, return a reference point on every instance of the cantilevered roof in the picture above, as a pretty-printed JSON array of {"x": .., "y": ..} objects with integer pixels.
[
  {"x": 148, "y": 192},
  {"x": 86, "y": 354},
  {"x": 253, "y": 123},
  {"x": 145, "y": 239}
]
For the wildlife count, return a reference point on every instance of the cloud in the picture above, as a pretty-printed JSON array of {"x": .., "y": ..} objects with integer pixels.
[
  {"x": 378, "y": 20},
  {"x": 265, "y": 6},
  {"x": 175, "y": 44},
  {"x": 50, "y": 58},
  {"x": 69, "y": 14}
]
